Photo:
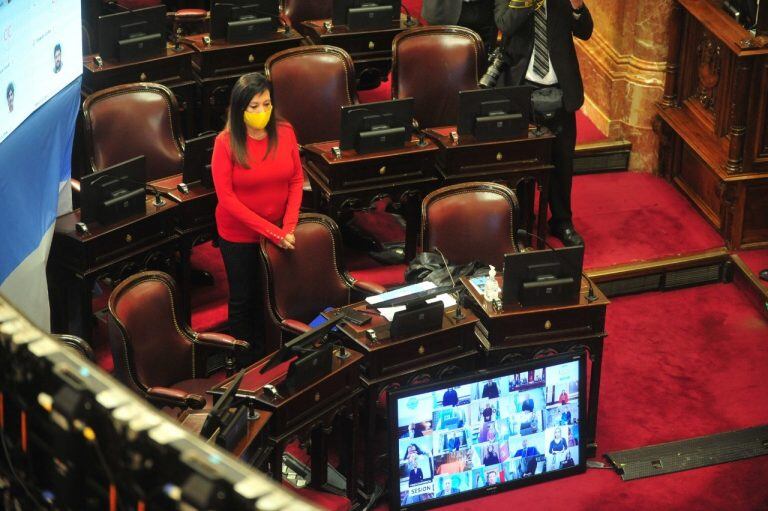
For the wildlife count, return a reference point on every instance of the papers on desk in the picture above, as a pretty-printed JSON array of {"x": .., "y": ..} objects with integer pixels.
[{"x": 389, "y": 312}]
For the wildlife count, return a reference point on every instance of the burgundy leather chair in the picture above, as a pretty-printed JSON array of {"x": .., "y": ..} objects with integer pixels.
[
  {"x": 300, "y": 283},
  {"x": 432, "y": 64},
  {"x": 154, "y": 352},
  {"x": 303, "y": 10},
  {"x": 471, "y": 222},
  {"x": 130, "y": 120},
  {"x": 310, "y": 84}
]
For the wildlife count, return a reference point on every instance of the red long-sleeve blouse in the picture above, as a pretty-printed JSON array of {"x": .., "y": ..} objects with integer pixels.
[{"x": 263, "y": 200}]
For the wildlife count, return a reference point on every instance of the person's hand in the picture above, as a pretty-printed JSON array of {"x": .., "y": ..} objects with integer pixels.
[
  {"x": 291, "y": 238},
  {"x": 285, "y": 244},
  {"x": 577, "y": 4}
]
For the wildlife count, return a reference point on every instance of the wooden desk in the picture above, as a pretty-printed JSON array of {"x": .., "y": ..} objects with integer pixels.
[
  {"x": 218, "y": 64},
  {"x": 516, "y": 333},
  {"x": 339, "y": 185},
  {"x": 518, "y": 163},
  {"x": 249, "y": 447},
  {"x": 172, "y": 69},
  {"x": 116, "y": 251},
  {"x": 196, "y": 223},
  {"x": 393, "y": 363},
  {"x": 370, "y": 49},
  {"x": 312, "y": 411}
]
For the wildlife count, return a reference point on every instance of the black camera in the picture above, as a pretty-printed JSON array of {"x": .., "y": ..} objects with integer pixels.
[{"x": 498, "y": 64}]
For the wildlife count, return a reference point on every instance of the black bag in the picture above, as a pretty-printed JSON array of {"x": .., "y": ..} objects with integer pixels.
[{"x": 429, "y": 266}]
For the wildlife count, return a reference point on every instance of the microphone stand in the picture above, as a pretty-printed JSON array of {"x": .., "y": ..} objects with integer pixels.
[
  {"x": 458, "y": 313},
  {"x": 591, "y": 296}
]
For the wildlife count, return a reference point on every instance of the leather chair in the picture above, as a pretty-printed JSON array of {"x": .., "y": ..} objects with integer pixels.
[
  {"x": 431, "y": 65},
  {"x": 130, "y": 120},
  {"x": 312, "y": 110},
  {"x": 471, "y": 222},
  {"x": 299, "y": 284},
  {"x": 154, "y": 352},
  {"x": 303, "y": 10}
]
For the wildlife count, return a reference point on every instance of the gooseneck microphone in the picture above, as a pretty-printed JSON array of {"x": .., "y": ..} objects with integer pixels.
[
  {"x": 591, "y": 296},
  {"x": 458, "y": 313}
]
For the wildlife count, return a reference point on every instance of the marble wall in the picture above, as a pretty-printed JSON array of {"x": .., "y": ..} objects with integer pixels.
[{"x": 623, "y": 70}]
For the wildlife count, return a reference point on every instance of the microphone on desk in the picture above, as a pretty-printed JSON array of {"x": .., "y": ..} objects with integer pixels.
[
  {"x": 159, "y": 201},
  {"x": 591, "y": 296},
  {"x": 419, "y": 133},
  {"x": 409, "y": 19},
  {"x": 458, "y": 313}
]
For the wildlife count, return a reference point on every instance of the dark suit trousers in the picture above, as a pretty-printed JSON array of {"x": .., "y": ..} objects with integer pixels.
[
  {"x": 478, "y": 16},
  {"x": 563, "y": 126}
]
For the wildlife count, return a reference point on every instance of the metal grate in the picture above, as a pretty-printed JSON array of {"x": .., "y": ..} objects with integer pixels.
[
  {"x": 631, "y": 285},
  {"x": 692, "y": 276},
  {"x": 697, "y": 452}
]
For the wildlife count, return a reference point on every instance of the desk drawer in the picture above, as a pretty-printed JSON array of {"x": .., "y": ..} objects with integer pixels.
[
  {"x": 166, "y": 71},
  {"x": 377, "y": 171},
  {"x": 239, "y": 59},
  {"x": 520, "y": 329},
  {"x": 499, "y": 157},
  {"x": 371, "y": 44}
]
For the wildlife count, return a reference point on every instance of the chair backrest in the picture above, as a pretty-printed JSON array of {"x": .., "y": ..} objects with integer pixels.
[
  {"x": 431, "y": 65},
  {"x": 310, "y": 84},
  {"x": 131, "y": 120},
  {"x": 470, "y": 222},
  {"x": 150, "y": 345},
  {"x": 303, "y": 282},
  {"x": 303, "y": 10}
]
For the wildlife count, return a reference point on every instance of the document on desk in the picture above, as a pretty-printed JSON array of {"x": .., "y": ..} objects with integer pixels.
[{"x": 389, "y": 312}]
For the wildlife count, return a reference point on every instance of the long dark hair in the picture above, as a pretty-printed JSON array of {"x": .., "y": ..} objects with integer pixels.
[{"x": 243, "y": 91}]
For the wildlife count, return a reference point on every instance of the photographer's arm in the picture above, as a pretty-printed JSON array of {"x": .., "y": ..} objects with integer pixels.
[
  {"x": 510, "y": 15},
  {"x": 582, "y": 20}
]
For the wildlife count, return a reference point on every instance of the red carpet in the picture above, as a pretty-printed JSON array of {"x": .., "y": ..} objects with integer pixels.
[
  {"x": 757, "y": 260},
  {"x": 628, "y": 216}
]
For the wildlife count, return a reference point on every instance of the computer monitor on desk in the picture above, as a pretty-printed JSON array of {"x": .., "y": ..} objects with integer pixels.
[
  {"x": 362, "y": 14},
  {"x": 198, "y": 152},
  {"x": 114, "y": 193},
  {"x": 132, "y": 35},
  {"x": 240, "y": 21},
  {"x": 374, "y": 127},
  {"x": 543, "y": 277},
  {"x": 495, "y": 114}
]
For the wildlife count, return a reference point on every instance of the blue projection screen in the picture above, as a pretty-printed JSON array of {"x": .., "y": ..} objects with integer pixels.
[{"x": 40, "y": 53}]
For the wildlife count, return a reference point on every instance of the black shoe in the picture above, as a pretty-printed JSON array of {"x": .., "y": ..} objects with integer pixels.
[
  {"x": 200, "y": 278},
  {"x": 764, "y": 274},
  {"x": 568, "y": 236}
]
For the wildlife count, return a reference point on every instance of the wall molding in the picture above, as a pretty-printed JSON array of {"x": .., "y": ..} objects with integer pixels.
[{"x": 616, "y": 66}]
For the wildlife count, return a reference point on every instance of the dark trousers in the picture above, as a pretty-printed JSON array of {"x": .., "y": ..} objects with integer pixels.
[
  {"x": 478, "y": 16},
  {"x": 563, "y": 126},
  {"x": 246, "y": 300}
]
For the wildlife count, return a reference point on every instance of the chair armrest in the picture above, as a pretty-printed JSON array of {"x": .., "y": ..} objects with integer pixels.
[
  {"x": 175, "y": 398},
  {"x": 220, "y": 341},
  {"x": 295, "y": 326},
  {"x": 368, "y": 288}
]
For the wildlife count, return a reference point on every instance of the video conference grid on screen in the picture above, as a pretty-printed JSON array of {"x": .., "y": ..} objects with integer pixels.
[{"x": 473, "y": 436}]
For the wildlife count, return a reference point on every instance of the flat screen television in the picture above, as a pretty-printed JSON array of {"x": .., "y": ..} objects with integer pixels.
[
  {"x": 543, "y": 277},
  {"x": 365, "y": 14},
  {"x": 495, "y": 114},
  {"x": 378, "y": 126},
  {"x": 487, "y": 432},
  {"x": 198, "y": 153},
  {"x": 133, "y": 35},
  {"x": 240, "y": 21}
]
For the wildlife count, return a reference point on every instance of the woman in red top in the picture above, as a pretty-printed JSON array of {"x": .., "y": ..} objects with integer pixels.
[{"x": 258, "y": 179}]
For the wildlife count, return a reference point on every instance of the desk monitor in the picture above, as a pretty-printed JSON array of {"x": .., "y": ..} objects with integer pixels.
[
  {"x": 133, "y": 34},
  {"x": 543, "y": 277},
  {"x": 114, "y": 193},
  {"x": 379, "y": 126},
  {"x": 494, "y": 114},
  {"x": 299, "y": 344},
  {"x": 487, "y": 432},
  {"x": 240, "y": 21},
  {"x": 198, "y": 153},
  {"x": 362, "y": 14}
]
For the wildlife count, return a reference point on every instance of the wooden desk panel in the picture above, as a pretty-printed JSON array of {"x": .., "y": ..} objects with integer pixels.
[
  {"x": 116, "y": 251},
  {"x": 248, "y": 446},
  {"x": 174, "y": 66}
]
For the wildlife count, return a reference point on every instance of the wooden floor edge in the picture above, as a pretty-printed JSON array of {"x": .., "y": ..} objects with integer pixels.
[
  {"x": 745, "y": 278},
  {"x": 637, "y": 268}
]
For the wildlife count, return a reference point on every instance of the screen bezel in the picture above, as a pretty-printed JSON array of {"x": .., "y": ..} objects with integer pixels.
[
  {"x": 109, "y": 27},
  {"x": 352, "y": 118},
  {"x": 394, "y": 396},
  {"x": 340, "y": 9},
  {"x": 470, "y": 106}
]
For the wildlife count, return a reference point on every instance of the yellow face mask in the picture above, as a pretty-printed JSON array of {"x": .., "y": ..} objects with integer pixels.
[{"x": 257, "y": 120}]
